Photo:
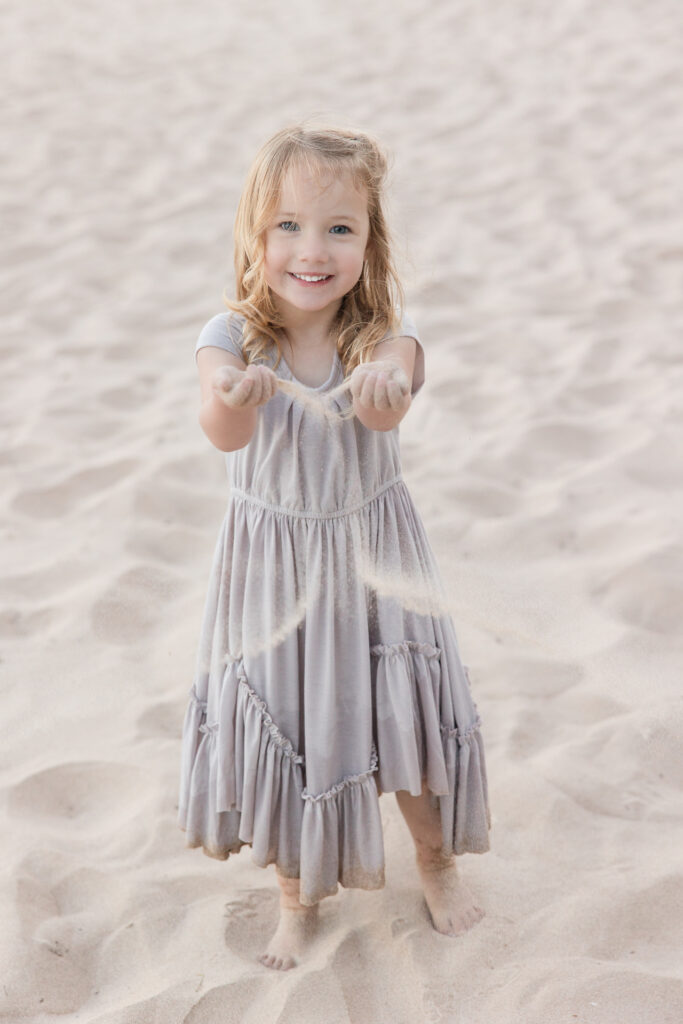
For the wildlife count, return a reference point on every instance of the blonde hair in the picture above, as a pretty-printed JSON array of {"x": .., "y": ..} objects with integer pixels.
[{"x": 372, "y": 308}]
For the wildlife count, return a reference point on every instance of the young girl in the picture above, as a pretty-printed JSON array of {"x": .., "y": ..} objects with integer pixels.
[{"x": 328, "y": 671}]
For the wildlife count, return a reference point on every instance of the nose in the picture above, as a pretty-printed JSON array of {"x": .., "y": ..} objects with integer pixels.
[{"x": 313, "y": 248}]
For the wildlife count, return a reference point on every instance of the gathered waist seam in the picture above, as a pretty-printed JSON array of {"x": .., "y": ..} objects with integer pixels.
[{"x": 303, "y": 513}]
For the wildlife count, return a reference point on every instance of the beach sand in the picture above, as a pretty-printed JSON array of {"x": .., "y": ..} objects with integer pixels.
[{"x": 536, "y": 199}]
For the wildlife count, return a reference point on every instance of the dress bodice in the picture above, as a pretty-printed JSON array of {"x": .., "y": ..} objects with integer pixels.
[{"x": 298, "y": 460}]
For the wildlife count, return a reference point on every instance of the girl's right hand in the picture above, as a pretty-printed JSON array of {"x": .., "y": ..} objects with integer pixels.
[{"x": 240, "y": 388}]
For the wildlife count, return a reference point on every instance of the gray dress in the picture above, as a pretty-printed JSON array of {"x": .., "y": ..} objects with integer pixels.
[{"x": 325, "y": 668}]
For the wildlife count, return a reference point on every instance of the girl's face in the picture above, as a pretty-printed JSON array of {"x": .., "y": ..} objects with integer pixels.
[{"x": 315, "y": 244}]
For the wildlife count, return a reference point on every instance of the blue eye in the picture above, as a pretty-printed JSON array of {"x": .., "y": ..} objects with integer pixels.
[
  {"x": 288, "y": 225},
  {"x": 340, "y": 229}
]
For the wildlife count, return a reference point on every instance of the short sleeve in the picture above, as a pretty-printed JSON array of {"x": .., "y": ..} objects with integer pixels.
[
  {"x": 223, "y": 331},
  {"x": 409, "y": 330}
]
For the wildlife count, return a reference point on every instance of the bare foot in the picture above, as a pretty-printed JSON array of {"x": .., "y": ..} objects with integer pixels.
[
  {"x": 292, "y": 935},
  {"x": 450, "y": 902},
  {"x": 295, "y": 928}
]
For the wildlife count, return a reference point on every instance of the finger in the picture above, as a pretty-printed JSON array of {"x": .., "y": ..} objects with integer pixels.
[
  {"x": 382, "y": 399},
  {"x": 224, "y": 387},
  {"x": 264, "y": 381},
  {"x": 356, "y": 382},
  {"x": 268, "y": 380},
  {"x": 253, "y": 374},
  {"x": 395, "y": 395},
  {"x": 401, "y": 379},
  {"x": 367, "y": 391},
  {"x": 222, "y": 382},
  {"x": 241, "y": 395}
]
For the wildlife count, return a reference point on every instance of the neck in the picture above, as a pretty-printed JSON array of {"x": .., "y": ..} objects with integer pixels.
[{"x": 308, "y": 330}]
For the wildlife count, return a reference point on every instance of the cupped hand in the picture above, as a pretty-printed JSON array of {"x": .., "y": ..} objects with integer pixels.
[
  {"x": 381, "y": 384},
  {"x": 239, "y": 388}
]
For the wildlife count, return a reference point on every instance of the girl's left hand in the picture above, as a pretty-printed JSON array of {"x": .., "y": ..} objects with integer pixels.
[{"x": 381, "y": 384}]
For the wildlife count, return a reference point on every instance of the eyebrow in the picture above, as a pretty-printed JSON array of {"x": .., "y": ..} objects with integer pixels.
[{"x": 335, "y": 216}]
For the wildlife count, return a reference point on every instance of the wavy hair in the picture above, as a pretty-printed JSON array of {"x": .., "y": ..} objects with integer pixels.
[{"x": 372, "y": 308}]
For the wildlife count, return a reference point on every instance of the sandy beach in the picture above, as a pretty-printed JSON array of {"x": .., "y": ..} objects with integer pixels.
[{"x": 537, "y": 208}]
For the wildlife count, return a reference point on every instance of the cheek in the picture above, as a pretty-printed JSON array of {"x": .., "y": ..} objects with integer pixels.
[
  {"x": 274, "y": 254},
  {"x": 354, "y": 263}
]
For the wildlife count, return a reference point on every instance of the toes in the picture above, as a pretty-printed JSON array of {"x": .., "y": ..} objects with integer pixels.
[
  {"x": 279, "y": 963},
  {"x": 285, "y": 963},
  {"x": 459, "y": 925}
]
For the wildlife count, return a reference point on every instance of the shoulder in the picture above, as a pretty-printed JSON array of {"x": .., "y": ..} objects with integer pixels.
[
  {"x": 224, "y": 325},
  {"x": 411, "y": 353},
  {"x": 222, "y": 331},
  {"x": 407, "y": 328}
]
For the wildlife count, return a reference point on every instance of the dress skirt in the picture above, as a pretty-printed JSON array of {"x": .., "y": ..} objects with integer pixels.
[{"x": 328, "y": 666}]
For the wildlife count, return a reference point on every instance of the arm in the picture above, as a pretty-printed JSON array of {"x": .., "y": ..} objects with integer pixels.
[
  {"x": 401, "y": 353},
  {"x": 227, "y": 428}
]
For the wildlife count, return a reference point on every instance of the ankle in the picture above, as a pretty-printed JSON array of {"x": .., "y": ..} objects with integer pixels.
[
  {"x": 433, "y": 858},
  {"x": 297, "y": 907},
  {"x": 289, "y": 894}
]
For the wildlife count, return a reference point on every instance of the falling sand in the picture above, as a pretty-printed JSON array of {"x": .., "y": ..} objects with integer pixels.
[
  {"x": 323, "y": 405},
  {"x": 320, "y": 405},
  {"x": 423, "y": 594}
]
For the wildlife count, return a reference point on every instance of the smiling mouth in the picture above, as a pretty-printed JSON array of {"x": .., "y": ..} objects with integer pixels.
[{"x": 311, "y": 278}]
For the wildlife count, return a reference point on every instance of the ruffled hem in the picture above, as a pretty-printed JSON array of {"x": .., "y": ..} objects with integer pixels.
[
  {"x": 216, "y": 832},
  {"x": 418, "y": 739},
  {"x": 242, "y": 780},
  {"x": 342, "y": 840},
  {"x": 241, "y": 783}
]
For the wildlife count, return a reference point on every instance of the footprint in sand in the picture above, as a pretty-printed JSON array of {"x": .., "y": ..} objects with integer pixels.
[
  {"x": 248, "y": 904},
  {"x": 48, "y": 959},
  {"x": 251, "y": 918}
]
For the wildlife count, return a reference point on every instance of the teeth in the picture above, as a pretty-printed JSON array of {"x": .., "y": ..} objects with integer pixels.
[{"x": 312, "y": 277}]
